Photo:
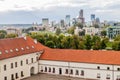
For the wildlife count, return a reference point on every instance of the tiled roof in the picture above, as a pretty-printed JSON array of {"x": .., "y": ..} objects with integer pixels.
[
  {"x": 82, "y": 56},
  {"x": 18, "y": 46}
]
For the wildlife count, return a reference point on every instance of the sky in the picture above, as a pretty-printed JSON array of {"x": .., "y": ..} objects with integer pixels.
[{"x": 29, "y": 11}]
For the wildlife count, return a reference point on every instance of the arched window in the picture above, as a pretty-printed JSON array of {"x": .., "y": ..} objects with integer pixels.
[
  {"x": 82, "y": 73},
  {"x": 45, "y": 69},
  {"x": 77, "y": 72}
]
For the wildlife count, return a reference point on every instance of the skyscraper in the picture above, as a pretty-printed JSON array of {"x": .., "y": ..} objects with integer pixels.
[
  {"x": 81, "y": 13},
  {"x": 67, "y": 20},
  {"x": 92, "y": 17},
  {"x": 45, "y": 22},
  {"x": 81, "y": 17}
]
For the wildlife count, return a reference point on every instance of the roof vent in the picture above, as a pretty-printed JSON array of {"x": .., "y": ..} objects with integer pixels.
[
  {"x": 35, "y": 41},
  {"x": 25, "y": 38}
]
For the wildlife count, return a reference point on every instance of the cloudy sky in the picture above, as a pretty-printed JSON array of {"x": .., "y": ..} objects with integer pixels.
[{"x": 29, "y": 11}]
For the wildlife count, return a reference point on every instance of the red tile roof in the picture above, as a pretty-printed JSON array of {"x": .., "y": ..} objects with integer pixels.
[
  {"x": 18, "y": 43},
  {"x": 82, "y": 56}
]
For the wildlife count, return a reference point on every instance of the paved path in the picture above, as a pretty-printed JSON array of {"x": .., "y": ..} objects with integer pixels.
[{"x": 51, "y": 77}]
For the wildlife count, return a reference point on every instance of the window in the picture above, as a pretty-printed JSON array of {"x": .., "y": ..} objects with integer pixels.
[
  {"x": 71, "y": 71},
  {"x": 82, "y": 73},
  {"x": 11, "y": 65},
  {"x": 77, "y": 72},
  {"x": 12, "y": 77},
  {"x": 49, "y": 69},
  {"x": 108, "y": 68},
  {"x": 26, "y": 61},
  {"x": 118, "y": 69},
  {"x": 66, "y": 71},
  {"x": 5, "y": 68},
  {"x": 98, "y": 75},
  {"x": 118, "y": 77},
  {"x": 108, "y": 76},
  {"x": 21, "y": 63},
  {"x": 98, "y": 67},
  {"x": 15, "y": 64},
  {"x": 36, "y": 58},
  {"x": 31, "y": 60},
  {"x": 53, "y": 70},
  {"x": 5, "y": 78},
  {"x": 45, "y": 69},
  {"x": 22, "y": 74},
  {"x": 41, "y": 68},
  {"x": 16, "y": 75}
]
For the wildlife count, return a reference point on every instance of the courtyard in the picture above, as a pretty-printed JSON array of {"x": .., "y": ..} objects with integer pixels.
[{"x": 52, "y": 77}]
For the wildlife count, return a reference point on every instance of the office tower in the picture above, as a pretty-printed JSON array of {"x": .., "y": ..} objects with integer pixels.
[
  {"x": 67, "y": 20},
  {"x": 81, "y": 17},
  {"x": 62, "y": 23},
  {"x": 97, "y": 20},
  {"x": 81, "y": 13},
  {"x": 92, "y": 17},
  {"x": 45, "y": 22}
]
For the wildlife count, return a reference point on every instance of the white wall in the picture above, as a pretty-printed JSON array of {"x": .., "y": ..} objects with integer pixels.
[
  {"x": 25, "y": 68},
  {"x": 90, "y": 70}
]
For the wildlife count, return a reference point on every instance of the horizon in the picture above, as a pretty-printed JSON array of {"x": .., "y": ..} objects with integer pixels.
[{"x": 29, "y": 11}]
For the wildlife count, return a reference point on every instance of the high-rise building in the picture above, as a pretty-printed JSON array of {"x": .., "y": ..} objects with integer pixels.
[
  {"x": 62, "y": 23},
  {"x": 97, "y": 20},
  {"x": 81, "y": 13},
  {"x": 81, "y": 17},
  {"x": 92, "y": 17},
  {"x": 67, "y": 20},
  {"x": 45, "y": 22}
]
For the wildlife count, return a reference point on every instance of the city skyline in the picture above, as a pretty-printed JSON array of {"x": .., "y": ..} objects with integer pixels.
[{"x": 29, "y": 11}]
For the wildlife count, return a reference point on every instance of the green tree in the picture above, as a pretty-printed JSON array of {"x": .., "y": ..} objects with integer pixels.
[
  {"x": 80, "y": 25},
  {"x": 50, "y": 44},
  {"x": 103, "y": 33},
  {"x": 71, "y": 30},
  {"x": 11, "y": 35},
  {"x": 58, "y": 31},
  {"x": 96, "y": 42},
  {"x": 88, "y": 42},
  {"x": 116, "y": 45},
  {"x": 117, "y": 38}
]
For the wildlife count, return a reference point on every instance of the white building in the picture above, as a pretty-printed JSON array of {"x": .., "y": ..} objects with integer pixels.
[
  {"x": 91, "y": 31},
  {"x": 22, "y": 57}
]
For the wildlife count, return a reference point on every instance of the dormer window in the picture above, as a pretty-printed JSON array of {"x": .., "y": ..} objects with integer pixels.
[
  {"x": 6, "y": 51},
  {"x": 27, "y": 47},
  {"x": 22, "y": 48},
  {"x": 33, "y": 47},
  {"x": 11, "y": 50},
  {"x": 0, "y": 52},
  {"x": 16, "y": 49}
]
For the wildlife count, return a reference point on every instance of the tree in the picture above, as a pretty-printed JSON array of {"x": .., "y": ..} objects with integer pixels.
[
  {"x": 58, "y": 31},
  {"x": 103, "y": 33},
  {"x": 117, "y": 38},
  {"x": 81, "y": 45},
  {"x": 11, "y": 35},
  {"x": 96, "y": 25},
  {"x": 71, "y": 30},
  {"x": 50, "y": 44},
  {"x": 2, "y": 34},
  {"x": 80, "y": 25},
  {"x": 96, "y": 42},
  {"x": 116, "y": 45},
  {"x": 88, "y": 42}
]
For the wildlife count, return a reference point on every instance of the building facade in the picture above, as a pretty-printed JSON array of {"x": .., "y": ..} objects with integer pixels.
[{"x": 28, "y": 57}]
